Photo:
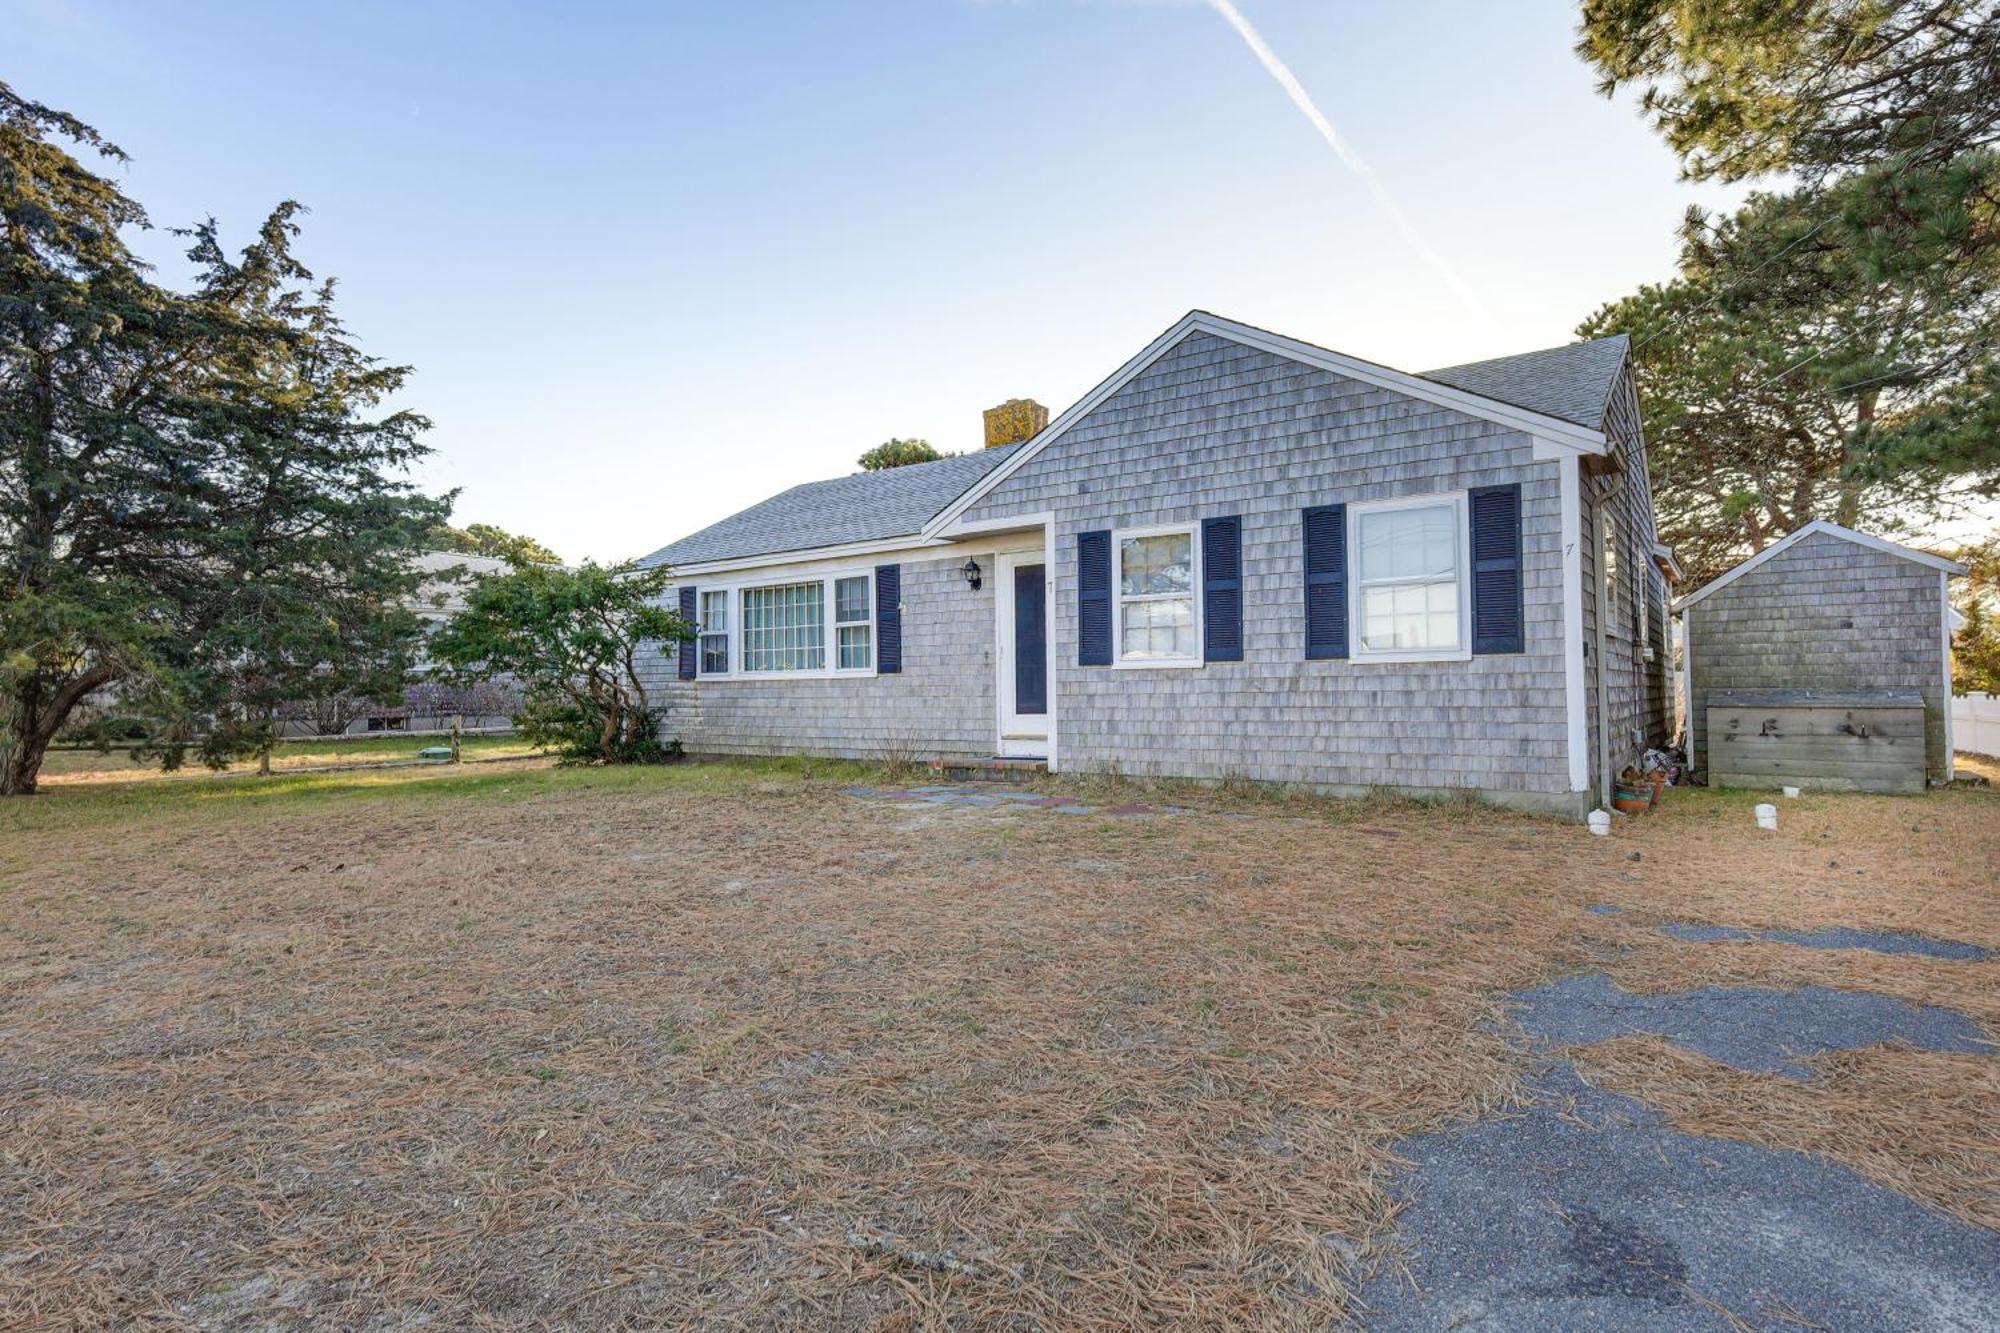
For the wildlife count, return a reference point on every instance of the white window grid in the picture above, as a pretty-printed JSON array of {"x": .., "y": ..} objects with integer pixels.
[
  {"x": 714, "y": 640},
  {"x": 854, "y": 622},
  {"x": 784, "y": 627},
  {"x": 805, "y": 625},
  {"x": 1165, "y": 599},
  {"x": 1460, "y": 581}
]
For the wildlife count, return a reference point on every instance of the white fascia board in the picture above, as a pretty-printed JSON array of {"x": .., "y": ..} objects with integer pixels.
[
  {"x": 1011, "y": 523},
  {"x": 1580, "y": 439},
  {"x": 1831, "y": 529},
  {"x": 1551, "y": 433},
  {"x": 822, "y": 557},
  {"x": 811, "y": 555}
]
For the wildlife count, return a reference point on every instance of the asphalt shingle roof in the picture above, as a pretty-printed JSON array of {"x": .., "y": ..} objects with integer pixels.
[
  {"x": 1572, "y": 382},
  {"x": 867, "y": 506}
]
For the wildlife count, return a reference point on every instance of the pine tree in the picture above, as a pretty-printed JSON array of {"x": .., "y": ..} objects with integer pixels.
[{"x": 197, "y": 500}]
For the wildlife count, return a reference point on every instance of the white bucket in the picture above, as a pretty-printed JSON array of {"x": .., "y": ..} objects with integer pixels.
[
  {"x": 1600, "y": 823},
  {"x": 1791, "y": 792},
  {"x": 1767, "y": 816}
]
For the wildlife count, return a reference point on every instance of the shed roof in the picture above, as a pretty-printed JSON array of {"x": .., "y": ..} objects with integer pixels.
[
  {"x": 866, "y": 506},
  {"x": 1819, "y": 525}
]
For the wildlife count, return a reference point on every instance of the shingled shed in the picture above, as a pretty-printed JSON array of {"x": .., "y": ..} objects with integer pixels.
[{"x": 1822, "y": 661}]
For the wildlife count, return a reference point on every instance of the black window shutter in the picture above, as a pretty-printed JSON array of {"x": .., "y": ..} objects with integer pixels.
[
  {"x": 1326, "y": 581},
  {"x": 888, "y": 619},
  {"x": 687, "y": 645},
  {"x": 1495, "y": 519},
  {"x": 1093, "y": 599},
  {"x": 1222, "y": 589}
]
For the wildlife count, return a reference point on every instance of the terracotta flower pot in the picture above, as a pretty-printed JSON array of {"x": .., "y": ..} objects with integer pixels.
[{"x": 1631, "y": 800}]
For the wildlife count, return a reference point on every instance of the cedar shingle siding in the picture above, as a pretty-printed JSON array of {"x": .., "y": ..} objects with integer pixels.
[
  {"x": 1641, "y": 692},
  {"x": 940, "y": 704},
  {"x": 1826, "y": 614},
  {"x": 1217, "y": 428}
]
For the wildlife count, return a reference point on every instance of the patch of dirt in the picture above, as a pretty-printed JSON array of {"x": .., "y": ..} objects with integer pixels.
[{"x": 774, "y": 1056}]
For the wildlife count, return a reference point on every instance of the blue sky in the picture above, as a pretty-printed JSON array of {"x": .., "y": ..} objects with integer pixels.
[{"x": 653, "y": 262}]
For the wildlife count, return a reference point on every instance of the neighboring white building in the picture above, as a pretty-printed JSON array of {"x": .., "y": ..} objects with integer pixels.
[{"x": 441, "y": 598}]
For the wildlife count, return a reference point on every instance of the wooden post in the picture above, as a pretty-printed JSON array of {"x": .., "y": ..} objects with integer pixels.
[{"x": 456, "y": 720}]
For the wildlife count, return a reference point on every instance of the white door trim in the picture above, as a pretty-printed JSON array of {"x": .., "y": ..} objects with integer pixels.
[
  {"x": 1017, "y": 736},
  {"x": 1575, "y": 697}
]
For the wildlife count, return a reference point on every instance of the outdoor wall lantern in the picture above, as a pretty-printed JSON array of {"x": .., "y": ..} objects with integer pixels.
[{"x": 971, "y": 571}]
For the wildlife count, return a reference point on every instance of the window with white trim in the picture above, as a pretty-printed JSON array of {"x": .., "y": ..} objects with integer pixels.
[
  {"x": 1156, "y": 583},
  {"x": 1411, "y": 602},
  {"x": 821, "y": 625},
  {"x": 1642, "y": 596},
  {"x": 784, "y": 627},
  {"x": 1611, "y": 555},
  {"x": 714, "y": 640},
  {"x": 1650, "y": 581},
  {"x": 854, "y": 622}
]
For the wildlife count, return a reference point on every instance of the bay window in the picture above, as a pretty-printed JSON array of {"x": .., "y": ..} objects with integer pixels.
[
  {"x": 1156, "y": 580},
  {"x": 1411, "y": 598}
]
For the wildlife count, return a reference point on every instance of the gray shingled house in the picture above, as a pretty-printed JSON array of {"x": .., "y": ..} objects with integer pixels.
[
  {"x": 1240, "y": 555},
  {"x": 1822, "y": 661}
]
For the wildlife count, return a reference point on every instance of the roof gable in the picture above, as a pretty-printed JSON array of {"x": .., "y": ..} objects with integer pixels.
[
  {"x": 1819, "y": 525},
  {"x": 1547, "y": 395},
  {"x": 1551, "y": 430},
  {"x": 862, "y": 507}
]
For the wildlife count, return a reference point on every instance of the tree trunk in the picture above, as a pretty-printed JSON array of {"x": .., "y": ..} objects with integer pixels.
[
  {"x": 22, "y": 766},
  {"x": 35, "y": 718},
  {"x": 27, "y": 741},
  {"x": 1847, "y": 512}
]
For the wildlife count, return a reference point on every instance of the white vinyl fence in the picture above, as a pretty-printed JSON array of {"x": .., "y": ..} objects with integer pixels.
[{"x": 1975, "y": 723}]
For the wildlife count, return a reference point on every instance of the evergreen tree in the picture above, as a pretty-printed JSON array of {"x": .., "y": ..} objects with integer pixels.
[
  {"x": 1780, "y": 383},
  {"x": 1831, "y": 350},
  {"x": 195, "y": 491},
  {"x": 1975, "y": 657}
]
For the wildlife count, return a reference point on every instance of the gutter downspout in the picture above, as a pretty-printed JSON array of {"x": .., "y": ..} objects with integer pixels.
[{"x": 1603, "y": 679}]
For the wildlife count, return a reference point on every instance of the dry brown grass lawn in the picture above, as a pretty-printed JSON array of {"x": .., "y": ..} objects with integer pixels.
[
  {"x": 725, "y": 1046},
  {"x": 68, "y": 766},
  {"x": 1979, "y": 766}
]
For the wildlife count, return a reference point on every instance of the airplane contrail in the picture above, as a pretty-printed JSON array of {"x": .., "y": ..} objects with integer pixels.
[{"x": 1355, "y": 162}]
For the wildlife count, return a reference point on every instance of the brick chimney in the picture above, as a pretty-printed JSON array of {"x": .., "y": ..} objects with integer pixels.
[{"x": 1015, "y": 420}]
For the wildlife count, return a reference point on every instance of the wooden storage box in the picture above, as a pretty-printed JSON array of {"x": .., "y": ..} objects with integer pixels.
[{"x": 1833, "y": 740}]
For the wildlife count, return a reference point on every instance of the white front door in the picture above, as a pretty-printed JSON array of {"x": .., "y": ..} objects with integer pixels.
[{"x": 1021, "y": 631}]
